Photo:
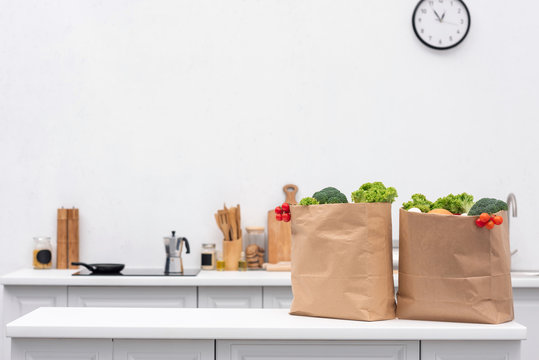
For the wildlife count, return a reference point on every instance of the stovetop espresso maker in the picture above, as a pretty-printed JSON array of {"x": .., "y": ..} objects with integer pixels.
[{"x": 173, "y": 248}]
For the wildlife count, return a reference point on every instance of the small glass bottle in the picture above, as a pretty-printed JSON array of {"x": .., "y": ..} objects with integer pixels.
[
  {"x": 208, "y": 257},
  {"x": 242, "y": 263},
  {"x": 220, "y": 262},
  {"x": 42, "y": 258}
]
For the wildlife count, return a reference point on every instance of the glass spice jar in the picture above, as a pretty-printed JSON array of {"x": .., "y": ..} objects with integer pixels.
[
  {"x": 208, "y": 260},
  {"x": 42, "y": 257}
]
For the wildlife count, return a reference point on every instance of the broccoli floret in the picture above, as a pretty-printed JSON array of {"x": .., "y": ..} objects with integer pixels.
[
  {"x": 487, "y": 205},
  {"x": 330, "y": 193},
  {"x": 338, "y": 199},
  {"x": 308, "y": 201},
  {"x": 456, "y": 204},
  {"x": 374, "y": 192},
  {"x": 420, "y": 202}
]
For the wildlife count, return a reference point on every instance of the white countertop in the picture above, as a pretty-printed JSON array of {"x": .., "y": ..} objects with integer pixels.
[
  {"x": 273, "y": 324},
  {"x": 204, "y": 278}
]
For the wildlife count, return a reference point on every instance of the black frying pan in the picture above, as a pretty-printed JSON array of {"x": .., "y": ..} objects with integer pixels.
[{"x": 102, "y": 269}]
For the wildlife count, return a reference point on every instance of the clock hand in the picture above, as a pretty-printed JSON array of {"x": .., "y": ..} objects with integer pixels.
[
  {"x": 443, "y": 15},
  {"x": 438, "y": 16}
]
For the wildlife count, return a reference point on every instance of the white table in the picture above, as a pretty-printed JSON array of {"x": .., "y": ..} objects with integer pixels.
[{"x": 113, "y": 333}]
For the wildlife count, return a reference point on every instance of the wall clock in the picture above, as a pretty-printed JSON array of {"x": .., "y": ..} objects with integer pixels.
[{"x": 441, "y": 24}]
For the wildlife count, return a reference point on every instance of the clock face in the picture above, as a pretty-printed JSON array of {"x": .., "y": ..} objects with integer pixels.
[{"x": 441, "y": 24}]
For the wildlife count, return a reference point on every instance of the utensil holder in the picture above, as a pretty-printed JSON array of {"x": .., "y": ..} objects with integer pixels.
[{"x": 232, "y": 253}]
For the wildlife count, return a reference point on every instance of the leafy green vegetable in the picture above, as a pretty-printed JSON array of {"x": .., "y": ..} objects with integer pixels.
[
  {"x": 487, "y": 205},
  {"x": 374, "y": 192},
  {"x": 456, "y": 204},
  {"x": 308, "y": 201},
  {"x": 420, "y": 202},
  {"x": 330, "y": 195}
]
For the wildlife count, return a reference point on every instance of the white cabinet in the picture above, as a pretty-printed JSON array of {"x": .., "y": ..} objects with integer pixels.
[
  {"x": 164, "y": 350},
  {"x": 466, "y": 350},
  {"x": 61, "y": 349},
  {"x": 20, "y": 300},
  {"x": 133, "y": 296},
  {"x": 230, "y": 297},
  {"x": 322, "y": 350},
  {"x": 277, "y": 297},
  {"x": 526, "y": 303}
]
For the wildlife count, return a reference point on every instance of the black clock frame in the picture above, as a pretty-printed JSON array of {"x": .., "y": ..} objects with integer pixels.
[{"x": 447, "y": 47}]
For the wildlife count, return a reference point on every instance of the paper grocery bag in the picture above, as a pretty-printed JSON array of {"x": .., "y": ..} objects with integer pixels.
[
  {"x": 342, "y": 263},
  {"x": 452, "y": 270}
]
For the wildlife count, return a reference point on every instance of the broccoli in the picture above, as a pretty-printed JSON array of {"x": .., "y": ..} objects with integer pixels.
[
  {"x": 487, "y": 205},
  {"x": 374, "y": 192},
  {"x": 308, "y": 201},
  {"x": 456, "y": 204},
  {"x": 420, "y": 202},
  {"x": 330, "y": 195}
]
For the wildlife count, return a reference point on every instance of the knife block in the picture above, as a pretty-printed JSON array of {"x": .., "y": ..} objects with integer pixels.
[{"x": 232, "y": 253}]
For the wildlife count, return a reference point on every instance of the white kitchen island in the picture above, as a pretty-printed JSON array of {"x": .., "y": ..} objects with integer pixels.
[{"x": 225, "y": 334}]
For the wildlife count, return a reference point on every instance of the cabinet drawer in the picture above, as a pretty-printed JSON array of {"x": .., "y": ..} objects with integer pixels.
[
  {"x": 163, "y": 349},
  {"x": 277, "y": 297},
  {"x": 55, "y": 349},
  {"x": 132, "y": 296},
  {"x": 301, "y": 350},
  {"x": 230, "y": 297}
]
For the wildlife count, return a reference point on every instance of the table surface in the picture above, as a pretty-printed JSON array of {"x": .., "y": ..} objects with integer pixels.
[{"x": 272, "y": 324}]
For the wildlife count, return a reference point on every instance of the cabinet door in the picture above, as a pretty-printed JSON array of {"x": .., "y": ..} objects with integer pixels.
[
  {"x": 526, "y": 303},
  {"x": 164, "y": 349},
  {"x": 320, "y": 350},
  {"x": 465, "y": 350},
  {"x": 20, "y": 300},
  {"x": 230, "y": 297},
  {"x": 132, "y": 296},
  {"x": 277, "y": 297},
  {"x": 65, "y": 349}
]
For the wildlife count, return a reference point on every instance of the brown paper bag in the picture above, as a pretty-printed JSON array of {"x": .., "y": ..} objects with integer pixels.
[
  {"x": 452, "y": 270},
  {"x": 342, "y": 261}
]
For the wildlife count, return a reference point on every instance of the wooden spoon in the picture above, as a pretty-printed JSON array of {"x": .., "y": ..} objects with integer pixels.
[{"x": 233, "y": 223}]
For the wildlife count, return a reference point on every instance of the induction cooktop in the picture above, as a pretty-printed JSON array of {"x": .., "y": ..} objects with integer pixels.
[{"x": 140, "y": 272}]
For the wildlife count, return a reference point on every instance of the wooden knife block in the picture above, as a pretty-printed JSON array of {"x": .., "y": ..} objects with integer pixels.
[{"x": 232, "y": 254}]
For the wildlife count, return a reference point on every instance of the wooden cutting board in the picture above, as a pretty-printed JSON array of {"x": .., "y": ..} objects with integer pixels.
[{"x": 280, "y": 232}]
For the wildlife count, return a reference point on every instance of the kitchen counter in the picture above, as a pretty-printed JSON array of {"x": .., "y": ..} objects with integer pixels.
[
  {"x": 204, "y": 278},
  {"x": 139, "y": 323}
]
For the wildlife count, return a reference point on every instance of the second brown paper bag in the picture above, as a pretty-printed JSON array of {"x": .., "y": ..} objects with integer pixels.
[
  {"x": 342, "y": 261},
  {"x": 452, "y": 270}
]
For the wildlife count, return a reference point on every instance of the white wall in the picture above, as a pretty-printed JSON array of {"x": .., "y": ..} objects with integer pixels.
[{"x": 148, "y": 115}]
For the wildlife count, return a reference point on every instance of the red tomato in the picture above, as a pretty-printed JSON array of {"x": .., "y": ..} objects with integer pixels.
[
  {"x": 278, "y": 217},
  {"x": 490, "y": 224},
  {"x": 286, "y": 217},
  {"x": 278, "y": 210},
  {"x": 498, "y": 220},
  {"x": 479, "y": 223},
  {"x": 484, "y": 217},
  {"x": 286, "y": 207}
]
